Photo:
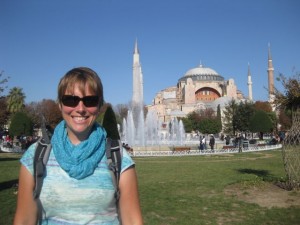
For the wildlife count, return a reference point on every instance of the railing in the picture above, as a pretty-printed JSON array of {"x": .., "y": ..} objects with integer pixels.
[
  {"x": 182, "y": 151},
  {"x": 203, "y": 152}
]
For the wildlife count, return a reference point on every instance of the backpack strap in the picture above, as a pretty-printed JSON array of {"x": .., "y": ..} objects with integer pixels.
[
  {"x": 113, "y": 155},
  {"x": 41, "y": 156}
]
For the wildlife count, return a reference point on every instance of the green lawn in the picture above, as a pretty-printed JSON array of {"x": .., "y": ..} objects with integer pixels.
[
  {"x": 188, "y": 190},
  {"x": 9, "y": 170}
]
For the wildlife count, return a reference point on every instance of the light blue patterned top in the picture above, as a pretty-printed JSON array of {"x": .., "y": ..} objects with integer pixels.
[{"x": 70, "y": 201}]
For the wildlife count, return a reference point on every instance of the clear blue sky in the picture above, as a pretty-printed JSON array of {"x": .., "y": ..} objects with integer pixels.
[{"x": 41, "y": 40}]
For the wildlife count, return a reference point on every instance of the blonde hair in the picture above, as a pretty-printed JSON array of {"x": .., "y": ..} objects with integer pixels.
[{"x": 81, "y": 76}]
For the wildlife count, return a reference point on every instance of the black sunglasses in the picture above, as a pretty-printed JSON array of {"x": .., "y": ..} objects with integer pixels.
[{"x": 73, "y": 100}]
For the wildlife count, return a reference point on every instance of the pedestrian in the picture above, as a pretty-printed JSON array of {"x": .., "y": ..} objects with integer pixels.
[
  {"x": 204, "y": 142},
  {"x": 227, "y": 140},
  {"x": 240, "y": 142},
  {"x": 212, "y": 142},
  {"x": 201, "y": 147},
  {"x": 78, "y": 188}
]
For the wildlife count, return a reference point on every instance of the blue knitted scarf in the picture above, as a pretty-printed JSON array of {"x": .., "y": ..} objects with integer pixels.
[{"x": 81, "y": 160}]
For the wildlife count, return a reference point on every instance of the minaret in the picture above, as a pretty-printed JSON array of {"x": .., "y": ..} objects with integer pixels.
[
  {"x": 270, "y": 76},
  {"x": 137, "y": 95},
  {"x": 249, "y": 84},
  {"x": 138, "y": 99}
]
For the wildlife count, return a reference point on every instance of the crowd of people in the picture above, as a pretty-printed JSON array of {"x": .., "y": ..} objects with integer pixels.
[
  {"x": 211, "y": 142},
  {"x": 21, "y": 141},
  {"x": 237, "y": 141}
]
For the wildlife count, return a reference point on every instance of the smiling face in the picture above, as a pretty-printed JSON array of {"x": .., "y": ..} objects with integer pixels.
[
  {"x": 79, "y": 119},
  {"x": 78, "y": 112}
]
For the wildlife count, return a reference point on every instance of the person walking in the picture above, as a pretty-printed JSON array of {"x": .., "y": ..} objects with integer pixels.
[
  {"x": 227, "y": 140},
  {"x": 212, "y": 142},
  {"x": 204, "y": 142},
  {"x": 78, "y": 188}
]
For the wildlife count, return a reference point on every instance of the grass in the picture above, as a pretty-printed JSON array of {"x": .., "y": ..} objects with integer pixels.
[
  {"x": 9, "y": 170},
  {"x": 188, "y": 190}
]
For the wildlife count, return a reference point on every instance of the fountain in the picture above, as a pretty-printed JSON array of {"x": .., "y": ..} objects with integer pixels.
[{"x": 150, "y": 131}]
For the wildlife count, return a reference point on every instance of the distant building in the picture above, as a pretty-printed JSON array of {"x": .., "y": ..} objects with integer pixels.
[
  {"x": 137, "y": 92},
  {"x": 199, "y": 88},
  {"x": 249, "y": 83},
  {"x": 270, "y": 71}
]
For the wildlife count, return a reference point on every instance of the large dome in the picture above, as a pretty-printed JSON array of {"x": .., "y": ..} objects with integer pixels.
[
  {"x": 201, "y": 70},
  {"x": 201, "y": 73}
]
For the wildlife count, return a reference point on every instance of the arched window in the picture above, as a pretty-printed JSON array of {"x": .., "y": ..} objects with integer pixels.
[{"x": 206, "y": 94}]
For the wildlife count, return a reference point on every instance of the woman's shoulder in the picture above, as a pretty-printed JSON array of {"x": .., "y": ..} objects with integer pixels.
[
  {"x": 28, "y": 157},
  {"x": 29, "y": 153},
  {"x": 127, "y": 161}
]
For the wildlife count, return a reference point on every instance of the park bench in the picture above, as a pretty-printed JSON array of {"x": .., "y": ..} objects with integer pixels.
[
  {"x": 181, "y": 149},
  {"x": 228, "y": 146},
  {"x": 261, "y": 144}
]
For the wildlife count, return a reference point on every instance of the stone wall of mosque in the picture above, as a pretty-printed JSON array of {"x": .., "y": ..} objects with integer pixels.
[
  {"x": 190, "y": 95},
  {"x": 231, "y": 89}
]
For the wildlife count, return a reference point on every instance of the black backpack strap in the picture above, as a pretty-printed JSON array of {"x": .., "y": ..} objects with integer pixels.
[
  {"x": 41, "y": 157},
  {"x": 113, "y": 154}
]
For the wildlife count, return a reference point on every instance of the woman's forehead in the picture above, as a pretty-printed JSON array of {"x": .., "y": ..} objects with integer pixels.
[{"x": 79, "y": 87}]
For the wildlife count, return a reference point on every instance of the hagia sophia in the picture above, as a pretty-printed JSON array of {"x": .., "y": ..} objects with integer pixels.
[{"x": 198, "y": 89}]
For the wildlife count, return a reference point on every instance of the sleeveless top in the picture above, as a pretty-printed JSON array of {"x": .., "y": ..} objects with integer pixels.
[{"x": 66, "y": 200}]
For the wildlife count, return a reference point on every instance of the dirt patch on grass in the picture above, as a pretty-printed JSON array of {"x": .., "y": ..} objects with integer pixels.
[{"x": 265, "y": 195}]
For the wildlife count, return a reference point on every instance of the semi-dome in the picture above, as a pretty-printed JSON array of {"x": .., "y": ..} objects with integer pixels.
[
  {"x": 201, "y": 70},
  {"x": 222, "y": 101}
]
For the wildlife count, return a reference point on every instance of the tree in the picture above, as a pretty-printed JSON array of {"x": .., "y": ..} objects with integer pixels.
[
  {"x": 110, "y": 124},
  {"x": 51, "y": 112},
  {"x": 206, "y": 113},
  {"x": 121, "y": 111},
  {"x": 47, "y": 108},
  {"x": 285, "y": 119},
  {"x": 206, "y": 121},
  {"x": 243, "y": 113},
  {"x": 267, "y": 107},
  {"x": 188, "y": 124},
  {"x": 219, "y": 118},
  {"x": 264, "y": 106},
  {"x": 210, "y": 126},
  {"x": 102, "y": 112},
  {"x": 3, "y": 81},
  {"x": 33, "y": 111},
  {"x": 191, "y": 123},
  {"x": 219, "y": 112},
  {"x": 21, "y": 124},
  {"x": 229, "y": 120},
  {"x": 290, "y": 99},
  {"x": 260, "y": 122},
  {"x": 15, "y": 100},
  {"x": 237, "y": 116},
  {"x": 274, "y": 120},
  {"x": 4, "y": 115}
]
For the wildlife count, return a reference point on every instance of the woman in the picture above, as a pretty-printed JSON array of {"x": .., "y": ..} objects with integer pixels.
[{"x": 78, "y": 186}]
